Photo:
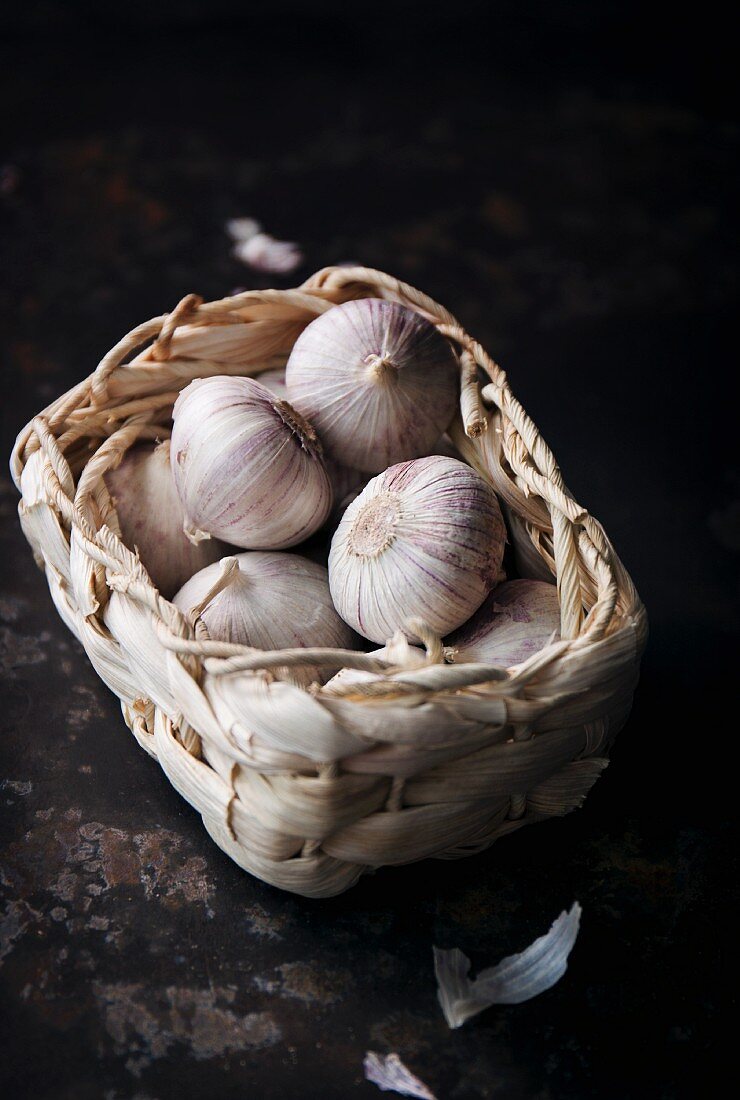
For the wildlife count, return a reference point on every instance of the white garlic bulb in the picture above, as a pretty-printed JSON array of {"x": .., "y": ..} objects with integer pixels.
[
  {"x": 269, "y": 601},
  {"x": 376, "y": 380},
  {"x": 515, "y": 621},
  {"x": 425, "y": 539},
  {"x": 151, "y": 518},
  {"x": 248, "y": 468}
]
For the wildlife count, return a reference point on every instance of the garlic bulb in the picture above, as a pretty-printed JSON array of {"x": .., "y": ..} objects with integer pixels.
[
  {"x": 424, "y": 539},
  {"x": 516, "y": 620},
  {"x": 377, "y": 381},
  {"x": 248, "y": 468},
  {"x": 151, "y": 518},
  {"x": 269, "y": 601}
]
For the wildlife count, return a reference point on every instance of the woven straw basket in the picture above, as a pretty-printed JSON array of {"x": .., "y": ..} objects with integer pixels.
[{"x": 306, "y": 789}]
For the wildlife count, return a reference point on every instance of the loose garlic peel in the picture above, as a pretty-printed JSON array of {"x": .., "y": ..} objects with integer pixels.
[
  {"x": 248, "y": 467},
  {"x": 516, "y": 979},
  {"x": 426, "y": 539},
  {"x": 269, "y": 601},
  {"x": 377, "y": 381}
]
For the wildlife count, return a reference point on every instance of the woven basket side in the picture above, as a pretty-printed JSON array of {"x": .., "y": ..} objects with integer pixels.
[{"x": 309, "y": 789}]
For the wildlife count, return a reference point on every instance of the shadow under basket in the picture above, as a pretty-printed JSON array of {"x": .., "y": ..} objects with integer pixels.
[{"x": 303, "y": 788}]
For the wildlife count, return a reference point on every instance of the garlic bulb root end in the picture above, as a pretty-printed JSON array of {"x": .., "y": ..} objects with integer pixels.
[
  {"x": 425, "y": 538},
  {"x": 373, "y": 530}
]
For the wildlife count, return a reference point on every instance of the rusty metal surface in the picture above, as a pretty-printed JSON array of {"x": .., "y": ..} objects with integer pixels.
[{"x": 581, "y": 233}]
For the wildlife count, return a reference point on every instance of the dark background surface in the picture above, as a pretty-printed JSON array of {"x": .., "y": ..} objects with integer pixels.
[{"x": 562, "y": 177}]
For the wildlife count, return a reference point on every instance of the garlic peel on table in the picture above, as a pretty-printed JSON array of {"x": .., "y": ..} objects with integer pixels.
[{"x": 516, "y": 979}]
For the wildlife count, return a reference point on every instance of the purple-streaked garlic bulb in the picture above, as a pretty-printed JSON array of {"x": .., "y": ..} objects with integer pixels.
[
  {"x": 515, "y": 621},
  {"x": 151, "y": 518},
  {"x": 247, "y": 466},
  {"x": 269, "y": 601},
  {"x": 425, "y": 539},
  {"x": 376, "y": 380}
]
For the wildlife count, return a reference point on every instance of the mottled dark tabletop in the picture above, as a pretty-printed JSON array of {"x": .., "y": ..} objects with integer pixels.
[{"x": 575, "y": 211}]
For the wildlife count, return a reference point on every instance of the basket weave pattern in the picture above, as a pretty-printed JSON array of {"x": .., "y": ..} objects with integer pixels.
[{"x": 308, "y": 789}]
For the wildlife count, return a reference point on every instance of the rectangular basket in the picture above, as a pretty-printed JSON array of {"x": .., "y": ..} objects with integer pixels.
[{"x": 306, "y": 789}]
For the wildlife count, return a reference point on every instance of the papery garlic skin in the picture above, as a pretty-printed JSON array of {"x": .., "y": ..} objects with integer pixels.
[
  {"x": 272, "y": 601},
  {"x": 243, "y": 229},
  {"x": 513, "y": 623},
  {"x": 247, "y": 467},
  {"x": 425, "y": 539},
  {"x": 376, "y": 379},
  {"x": 264, "y": 253},
  {"x": 516, "y": 979},
  {"x": 151, "y": 518}
]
